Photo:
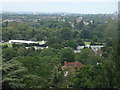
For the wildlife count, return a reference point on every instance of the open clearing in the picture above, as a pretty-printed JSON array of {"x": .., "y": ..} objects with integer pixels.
[
  {"x": 9, "y": 44},
  {"x": 87, "y": 43}
]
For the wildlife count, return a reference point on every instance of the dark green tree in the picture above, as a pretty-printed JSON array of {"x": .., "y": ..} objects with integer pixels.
[
  {"x": 12, "y": 74},
  {"x": 9, "y": 53},
  {"x": 67, "y": 54},
  {"x": 66, "y": 34}
]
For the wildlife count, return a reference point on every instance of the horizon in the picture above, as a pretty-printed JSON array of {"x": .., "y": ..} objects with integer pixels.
[{"x": 62, "y": 7}]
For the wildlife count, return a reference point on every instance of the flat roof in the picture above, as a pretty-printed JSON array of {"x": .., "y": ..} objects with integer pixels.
[{"x": 21, "y": 41}]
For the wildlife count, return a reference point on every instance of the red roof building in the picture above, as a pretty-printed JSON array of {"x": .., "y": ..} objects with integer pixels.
[{"x": 72, "y": 66}]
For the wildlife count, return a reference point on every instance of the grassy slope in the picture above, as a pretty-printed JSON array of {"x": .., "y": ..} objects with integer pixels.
[{"x": 87, "y": 43}]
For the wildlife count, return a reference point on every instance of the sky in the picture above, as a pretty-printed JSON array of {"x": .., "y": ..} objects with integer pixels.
[
  {"x": 69, "y": 6},
  {"x": 59, "y": 0}
]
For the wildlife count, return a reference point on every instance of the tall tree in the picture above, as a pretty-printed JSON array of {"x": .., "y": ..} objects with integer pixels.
[
  {"x": 13, "y": 73},
  {"x": 66, "y": 34},
  {"x": 67, "y": 54}
]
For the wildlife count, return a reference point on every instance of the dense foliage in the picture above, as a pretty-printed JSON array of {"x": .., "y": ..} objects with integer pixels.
[{"x": 30, "y": 68}]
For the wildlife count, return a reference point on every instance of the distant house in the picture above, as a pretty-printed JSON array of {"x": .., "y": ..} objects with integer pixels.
[
  {"x": 80, "y": 47},
  {"x": 87, "y": 46},
  {"x": 36, "y": 47},
  {"x": 99, "y": 52},
  {"x": 86, "y": 23},
  {"x": 77, "y": 51},
  {"x": 96, "y": 47},
  {"x": 71, "y": 66},
  {"x": 79, "y": 19}
]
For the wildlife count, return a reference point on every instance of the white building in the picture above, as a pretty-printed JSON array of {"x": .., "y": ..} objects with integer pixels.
[
  {"x": 80, "y": 47},
  {"x": 96, "y": 47},
  {"x": 27, "y": 42},
  {"x": 77, "y": 51},
  {"x": 88, "y": 46}
]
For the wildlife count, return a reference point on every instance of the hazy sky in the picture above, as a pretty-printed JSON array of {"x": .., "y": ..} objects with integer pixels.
[
  {"x": 59, "y": 0},
  {"x": 76, "y": 6}
]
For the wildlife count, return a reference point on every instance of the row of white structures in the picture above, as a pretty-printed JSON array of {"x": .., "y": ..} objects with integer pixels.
[
  {"x": 27, "y": 42},
  {"x": 93, "y": 47}
]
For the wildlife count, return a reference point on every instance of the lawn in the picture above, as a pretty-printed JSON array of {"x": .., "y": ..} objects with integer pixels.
[
  {"x": 9, "y": 44},
  {"x": 87, "y": 43}
]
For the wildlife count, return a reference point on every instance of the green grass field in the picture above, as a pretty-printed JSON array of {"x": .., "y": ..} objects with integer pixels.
[
  {"x": 87, "y": 43},
  {"x": 9, "y": 44}
]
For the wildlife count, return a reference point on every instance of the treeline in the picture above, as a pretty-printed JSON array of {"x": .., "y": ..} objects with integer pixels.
[{"x": 43, "y": 30}]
